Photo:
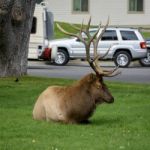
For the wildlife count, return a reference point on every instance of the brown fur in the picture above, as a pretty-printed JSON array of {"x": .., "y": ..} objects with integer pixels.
[{"x": 72, "y": 104}]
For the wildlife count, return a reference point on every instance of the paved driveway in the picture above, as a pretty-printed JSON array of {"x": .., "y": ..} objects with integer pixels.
[{"x": 77, "y": 69}]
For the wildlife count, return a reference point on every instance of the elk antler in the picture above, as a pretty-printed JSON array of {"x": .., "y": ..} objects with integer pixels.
[{"x": 87, "y": 42}]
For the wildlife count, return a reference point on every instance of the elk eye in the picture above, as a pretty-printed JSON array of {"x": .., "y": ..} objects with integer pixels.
[{"x": 98, "y": 85}]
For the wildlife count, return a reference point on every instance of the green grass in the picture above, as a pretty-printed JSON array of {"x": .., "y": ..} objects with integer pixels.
[
  {"x": 58, "y": 34},
  {"x": 122, "y": 125},
  {"x": 146, "y": 34},
  {"x": 68, "y": 27}
]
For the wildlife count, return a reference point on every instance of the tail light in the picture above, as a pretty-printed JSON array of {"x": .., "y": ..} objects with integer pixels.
[
  {"x": 47, "y": 53},
  {"x": 143, "y": 45}
]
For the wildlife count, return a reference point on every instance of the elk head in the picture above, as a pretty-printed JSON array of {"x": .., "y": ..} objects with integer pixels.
[
  {"x": 98, "y": 87},
  {"x": 99, "y": 90}
]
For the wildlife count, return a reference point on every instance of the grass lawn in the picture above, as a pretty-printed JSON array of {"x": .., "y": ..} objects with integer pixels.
[
  {"x": 146, "y": 34},
  {"x": 124, "y": 125},
  {"x": 58, "y": 34}
]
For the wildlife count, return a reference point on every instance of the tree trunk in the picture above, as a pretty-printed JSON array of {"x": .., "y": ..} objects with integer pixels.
[{"x": 15, "y": 26}]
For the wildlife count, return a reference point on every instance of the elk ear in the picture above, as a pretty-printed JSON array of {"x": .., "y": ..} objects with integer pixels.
[{"x": 91, "y": 77}]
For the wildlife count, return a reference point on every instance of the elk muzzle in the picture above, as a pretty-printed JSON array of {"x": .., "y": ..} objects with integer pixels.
[
  {"x": 107, "y": 96},
  {"x": 110, "y": 99}
]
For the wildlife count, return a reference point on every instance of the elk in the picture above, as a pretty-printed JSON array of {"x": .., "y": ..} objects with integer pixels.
[{"x": 77, "y": 102}]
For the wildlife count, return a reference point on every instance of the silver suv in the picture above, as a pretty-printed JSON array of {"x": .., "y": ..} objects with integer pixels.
[{"x": 126, "y": 45}]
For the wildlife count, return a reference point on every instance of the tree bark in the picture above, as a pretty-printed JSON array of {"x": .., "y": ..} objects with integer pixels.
[{"x": 15, "y": 26}]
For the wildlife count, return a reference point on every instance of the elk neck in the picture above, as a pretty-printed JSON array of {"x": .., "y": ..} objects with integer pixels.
[{"x": 82, "y": 85}]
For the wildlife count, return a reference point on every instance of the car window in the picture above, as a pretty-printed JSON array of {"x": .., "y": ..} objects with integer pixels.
[
  {"x": 109, "y": 35},
  {"x": 92, "y": 32},
  {"x": 128, "y": 35}
]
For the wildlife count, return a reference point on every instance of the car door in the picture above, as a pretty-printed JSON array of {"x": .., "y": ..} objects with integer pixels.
[
  {"x": 77, "y": 49},
  {"x": 108, "y": 39}
]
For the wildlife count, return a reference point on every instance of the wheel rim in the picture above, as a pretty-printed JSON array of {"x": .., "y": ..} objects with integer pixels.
[
  {"x": 60, "y": 58},
  {"x": 146, "y": 61},
  {"x": 122, "y": 60}
]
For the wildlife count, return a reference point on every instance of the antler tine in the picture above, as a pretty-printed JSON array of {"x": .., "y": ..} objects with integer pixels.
[
  {"x": 103, "y": 31},
  {"x": 97, "y": 57},
  {"x": 89, "y": 24},
  {"x": 64, "y": 31},
  {"x": 101, "y": 57},
  {"x": 77, "y": 28},
  {"x": 86, "y": 30},
  {"x": 105, "y": 27},
  {"x": 94, "y": 36},
  {"x": 99, "y": 37},
  {"x": 81, "y": 29},
  {"x": 112, "y": 73},
  {"x": 70, "y": 34},
  {"x": 88, "y": 27}
]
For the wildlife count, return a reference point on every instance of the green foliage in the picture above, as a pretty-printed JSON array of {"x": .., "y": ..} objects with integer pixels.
[{"x": 122, "y": 125}]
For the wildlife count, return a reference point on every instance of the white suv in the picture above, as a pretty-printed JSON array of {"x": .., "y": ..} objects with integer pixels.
[{"x": 126, "y": 45}]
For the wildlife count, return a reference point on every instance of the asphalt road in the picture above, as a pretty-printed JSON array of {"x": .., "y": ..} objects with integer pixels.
[{"x": 77, "y": 69}]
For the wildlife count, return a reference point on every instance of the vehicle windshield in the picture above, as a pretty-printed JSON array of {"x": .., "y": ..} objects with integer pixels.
[{"x": 107, "y": 36}]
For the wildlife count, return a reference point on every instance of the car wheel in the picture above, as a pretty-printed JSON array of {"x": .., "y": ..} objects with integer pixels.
[
  {"x": 122, "y": 59},
  {"x": 144, "y": 62},
  {"x": 62, "y": 57}
]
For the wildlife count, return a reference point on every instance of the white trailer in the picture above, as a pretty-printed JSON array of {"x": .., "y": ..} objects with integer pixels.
[{"x": 41, "y": 32}]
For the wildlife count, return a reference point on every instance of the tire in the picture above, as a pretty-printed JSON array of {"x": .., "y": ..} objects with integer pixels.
[
  {"x": 144, "y": 62},
  {"x": 62, "y": 57},
  {"x": 122, "y": 59}
]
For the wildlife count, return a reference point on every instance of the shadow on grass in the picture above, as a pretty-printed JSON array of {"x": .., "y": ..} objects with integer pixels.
[{"x": 105, "y": 121}]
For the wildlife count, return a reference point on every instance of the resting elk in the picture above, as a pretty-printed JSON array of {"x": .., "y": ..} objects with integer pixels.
[{"x": 76, "y": 103}]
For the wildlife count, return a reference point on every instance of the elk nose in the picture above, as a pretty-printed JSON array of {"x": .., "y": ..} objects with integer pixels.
[{"x": 111, "y": 100}]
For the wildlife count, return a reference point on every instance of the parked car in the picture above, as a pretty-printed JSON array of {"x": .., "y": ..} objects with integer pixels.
[
  {"x": 146, "y": 61},
  {"x": 126, "y": 45}
]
